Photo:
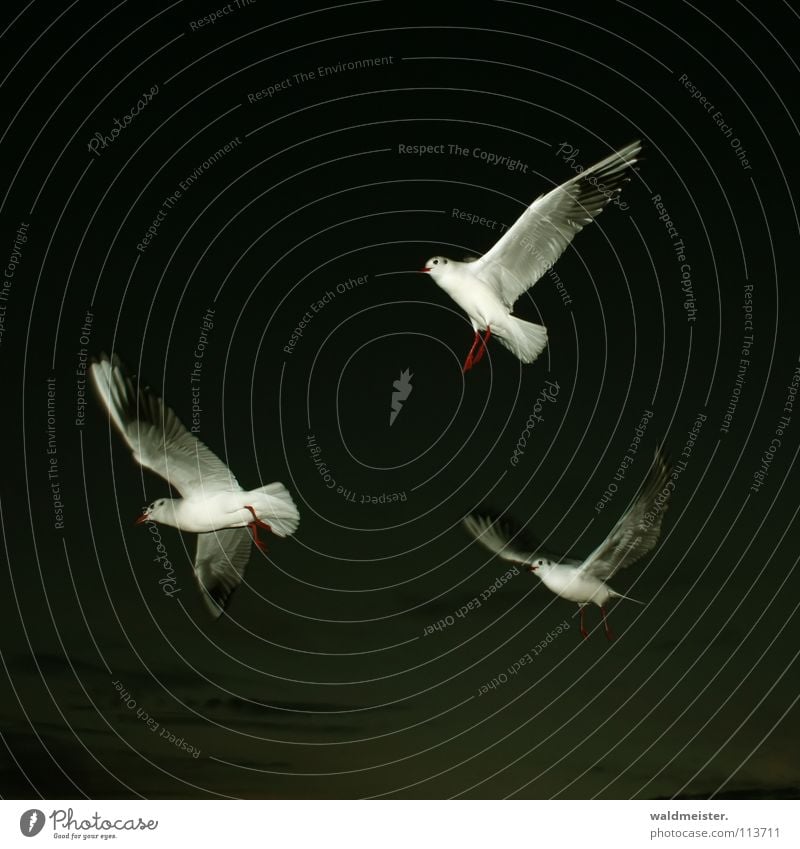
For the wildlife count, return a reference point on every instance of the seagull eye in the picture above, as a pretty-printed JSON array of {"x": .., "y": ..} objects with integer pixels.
[
  {"x": 436, "y": 262},
  {"x": 444, "y": 261},
  {"x": 540, "y": 563}
]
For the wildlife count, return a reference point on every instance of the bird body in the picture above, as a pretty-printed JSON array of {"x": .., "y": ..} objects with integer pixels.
[
  {"x": 585, "y": 581},
  {"x": 478, "y": 301},
  {"x": 213, "y": 504},
  {"x": 202, "y": 514},
  {"x": 488, "y": 313},
  {"x": 486, "y": 288},
  {"x": 571, "y": 583}
]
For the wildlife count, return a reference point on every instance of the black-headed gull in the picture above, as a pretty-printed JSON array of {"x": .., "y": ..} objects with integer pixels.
[
  {"x": 584, "y": 581},
  {"x": 213, "y": 505},
  {"x": 486, "y": 288}
]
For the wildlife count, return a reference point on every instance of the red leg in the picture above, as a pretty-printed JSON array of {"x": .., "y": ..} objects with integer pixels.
[
  {"x": 584, "y": 632},
  {"x": 469, "y": 362},
  {"x": 482, "y": 349},
  {"x": 256, "y": 521},
  {"x": 254, "y": 526},
  {"x": 609, "y": 632}
]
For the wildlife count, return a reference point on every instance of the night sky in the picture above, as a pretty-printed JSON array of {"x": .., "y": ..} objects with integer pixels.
[{"x": 188, "y": 193}]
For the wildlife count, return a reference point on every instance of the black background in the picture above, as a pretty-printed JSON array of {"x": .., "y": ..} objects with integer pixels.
[{"x": 321, "y": 681}]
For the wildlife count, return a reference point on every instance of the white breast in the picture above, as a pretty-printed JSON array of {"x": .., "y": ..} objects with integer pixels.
[
  {"x": 477, "y": 300},
  {"x": 573, "y": 585}
]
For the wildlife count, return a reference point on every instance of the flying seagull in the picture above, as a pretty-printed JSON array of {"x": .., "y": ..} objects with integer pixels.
[
  {"x": 584, "y": 581},
  {"x": 486, "y": 288},
  {"x": 213, "y": 504}
]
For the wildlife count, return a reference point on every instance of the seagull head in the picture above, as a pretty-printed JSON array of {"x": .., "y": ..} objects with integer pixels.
[
  {"x": 153, "y": 512},
  {"x": 437, "y": 267},
  {"x": 539, "y": 565}
]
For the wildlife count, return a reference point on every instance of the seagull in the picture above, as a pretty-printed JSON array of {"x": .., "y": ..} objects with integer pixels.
[
  {"x": 584, "y": 581},
  {"x": 487, "y": 287},
  {"x": 213, "y": 504}
]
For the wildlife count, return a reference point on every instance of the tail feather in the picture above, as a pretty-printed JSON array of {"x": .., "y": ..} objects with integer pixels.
[
  {"x": 524, "y": 339},
  {"x": 615, "y": 594},
  {"x": 275, "y": 506}
]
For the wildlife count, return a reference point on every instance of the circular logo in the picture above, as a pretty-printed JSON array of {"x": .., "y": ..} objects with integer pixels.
[{"x": 31, "y": 822}]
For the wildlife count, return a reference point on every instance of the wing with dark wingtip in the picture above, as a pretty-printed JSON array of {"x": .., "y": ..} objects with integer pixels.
[
  {"x": 497, "y": 538},
  {"x": 157, "y": 437},
  {"x": 490, "y": 535},
  {"x": 542, "y": 233},
  {"x": 219, "y": 565},
  {"x": 638, "y": 531}
]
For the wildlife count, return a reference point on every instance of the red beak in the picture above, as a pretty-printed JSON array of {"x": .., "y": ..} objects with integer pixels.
[
  {"x": 424, "y": 270},
  {"x": 141, "y": 519},
  {"x": 531, "y": 568}
]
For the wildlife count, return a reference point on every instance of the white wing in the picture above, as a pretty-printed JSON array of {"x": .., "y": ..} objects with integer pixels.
[
  {"x": 156, "y": 436},
  {"x": 497, "y": 541},
  {"x": 219, "y": 565},
  {"x": 541, "y": 234},
  {"x": 490, "y": 535},
  {"x": 636, "y": 533}
]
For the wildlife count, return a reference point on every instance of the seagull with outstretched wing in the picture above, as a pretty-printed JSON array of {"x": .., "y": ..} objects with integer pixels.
[
  {"x": 486, "y": 288},
  {"x": 584, "y": 581},
  {"x": 213, "y": 504}
]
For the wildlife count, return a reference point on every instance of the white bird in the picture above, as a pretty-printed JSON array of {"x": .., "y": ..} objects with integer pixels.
[
  {"x": 213, "y": 505},
  {"x": 486, "y": 288},
  {"x": 584, "y": 581}
]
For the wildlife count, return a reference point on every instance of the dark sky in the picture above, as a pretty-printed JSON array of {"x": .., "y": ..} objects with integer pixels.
[{"x": 322, "y": 681}]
